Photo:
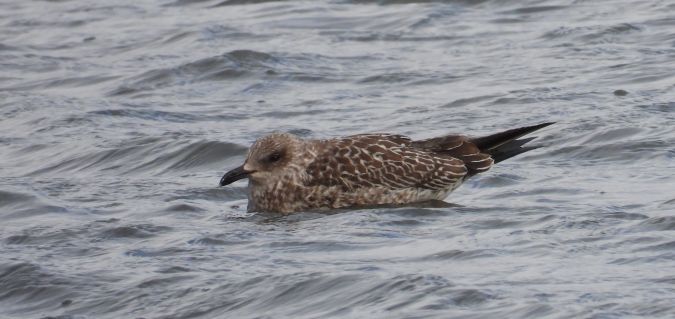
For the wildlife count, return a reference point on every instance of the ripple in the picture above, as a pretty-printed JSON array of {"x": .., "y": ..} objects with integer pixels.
[
  {"x": 411, "y": 78},
  {"x": 534, "y": 9},
  {"x": 468, "y": 101},
  {"x": 656, "y": 224},
  {"x": 46, "y": 237},
  {"x": 13, "y": 199},
  {"x": 243, "y": 2},
  {"x": 232, "y": 65},
  {"x": 118, "y": 119},
  {"x": 163, "y": 281},
  {"x": 403, "y": 2},
  {"x": 462, "y": 255},
  {"x": 669, "y": 246},
  {"x": 154, "y": 157},
  {"x": 152, "y": 253},
  {"x": 588, "y": 33},
  {"x": 229, "y": 65},
  {"x": 310, "y": 293},
  {"x": 16, "y": 205},
  {"x": 210, "y": 194},
  {"x": 500, "y": 180},
  {"x": 625, "y": 216},
  {"x": 620, "y": 152},
  {"x": 369, "y": 36},
  {"x": 164, "y": 116},
  {"x": 5, "y": 47},
  {"x": 186, "y": 2},
  {"x": 184, "y": 208},
  {"x": 134, "y": 231},
  {"x": 173, "y": 269},
  {"x": 209, "y": 241},
  {"x": 27, "y": 286},
  {"x": 660, "y": 258},
  {"x": 61, "y": 82}
]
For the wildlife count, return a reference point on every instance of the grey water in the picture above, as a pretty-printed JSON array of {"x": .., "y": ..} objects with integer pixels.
[{"x": 117, "y": 119}]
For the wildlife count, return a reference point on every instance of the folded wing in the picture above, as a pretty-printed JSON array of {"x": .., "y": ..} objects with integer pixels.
[{"x": 383, "y": 160}]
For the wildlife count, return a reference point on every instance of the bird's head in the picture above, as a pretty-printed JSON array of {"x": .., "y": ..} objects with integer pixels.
[{"x": 267, "y": 160}]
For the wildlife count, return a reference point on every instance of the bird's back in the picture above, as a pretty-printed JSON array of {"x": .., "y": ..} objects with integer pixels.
[{"x": 381, "y": 169}]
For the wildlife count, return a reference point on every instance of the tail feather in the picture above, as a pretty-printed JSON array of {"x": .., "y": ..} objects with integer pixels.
[{"x": 504, "y": 145}]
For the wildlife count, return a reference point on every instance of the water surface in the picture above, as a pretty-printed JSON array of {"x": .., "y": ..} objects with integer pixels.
[{"x": 117, "y": 120}]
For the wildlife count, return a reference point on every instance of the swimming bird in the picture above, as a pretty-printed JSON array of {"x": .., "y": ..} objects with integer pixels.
[{"x": 289, "y": 174}]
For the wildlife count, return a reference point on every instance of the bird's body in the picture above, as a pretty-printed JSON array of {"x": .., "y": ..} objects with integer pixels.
[{"x": 289, "y": 174}]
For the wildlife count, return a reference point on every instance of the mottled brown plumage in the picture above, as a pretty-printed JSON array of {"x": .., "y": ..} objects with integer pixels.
[{"x": 288, "y": 174}]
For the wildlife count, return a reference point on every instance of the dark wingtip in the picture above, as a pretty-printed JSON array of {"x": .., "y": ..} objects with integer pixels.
[
  {"x": 487, "y": 143},
  {"x": 505, "y": 145},
  {"x": 540, "y": 126}
]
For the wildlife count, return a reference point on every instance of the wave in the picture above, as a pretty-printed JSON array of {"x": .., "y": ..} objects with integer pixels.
[
  {"x": 587, "y": 33},
  {"x": 329, "y": 295},
  {"x": 18, "y": 204},
  {"x": 27, "y": 286},
  {"x": 233, "y": 65},
  {"x": 156, "y": 157}
]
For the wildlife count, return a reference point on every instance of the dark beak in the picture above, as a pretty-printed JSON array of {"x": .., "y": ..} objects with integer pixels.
[{"x": 234, "y": 175}]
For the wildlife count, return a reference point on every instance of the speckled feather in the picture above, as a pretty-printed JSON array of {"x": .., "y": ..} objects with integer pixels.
[{"x": 367, "y": 169}]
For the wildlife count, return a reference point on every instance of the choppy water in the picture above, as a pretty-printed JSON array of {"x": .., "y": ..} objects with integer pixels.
[{"x": 117, "y": 119}]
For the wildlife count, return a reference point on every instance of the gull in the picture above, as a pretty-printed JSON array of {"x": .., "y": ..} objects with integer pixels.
[{"x": 288, "y": 174}]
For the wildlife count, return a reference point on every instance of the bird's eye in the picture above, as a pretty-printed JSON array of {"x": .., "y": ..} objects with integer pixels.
[{"x": 274, "y": 157}]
